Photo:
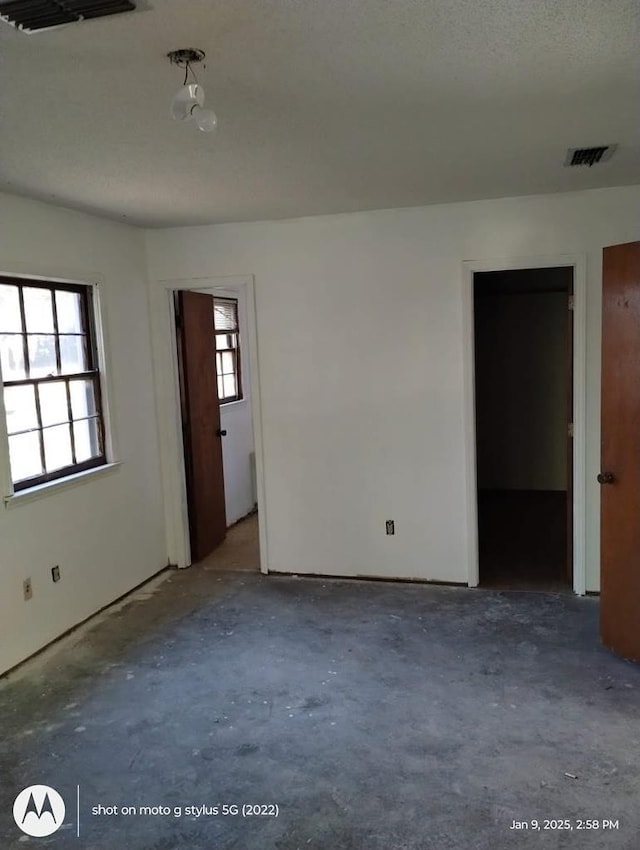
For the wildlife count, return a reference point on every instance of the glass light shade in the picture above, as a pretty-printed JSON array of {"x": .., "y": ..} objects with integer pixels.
[
  {"x": 186, "y": 100},
  {"x": 205, "y": 119}
]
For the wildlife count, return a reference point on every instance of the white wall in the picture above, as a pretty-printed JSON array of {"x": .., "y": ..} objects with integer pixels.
[
  {"x": 360, "y": 334},
  {"x": 360, "y": 326},
  {"x": 107, "y": 533},
  {"x": 521, "y": 343},
  {"x": 236, "y": 420}
]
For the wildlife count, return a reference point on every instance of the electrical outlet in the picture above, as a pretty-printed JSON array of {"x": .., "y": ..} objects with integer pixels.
[
  {"x": 391, "y": 526},
  {"x": 27, "y": 589},
  {"x": 55, "y": 573}
]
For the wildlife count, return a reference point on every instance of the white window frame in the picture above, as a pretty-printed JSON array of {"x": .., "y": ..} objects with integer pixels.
[{"x": 11, "y": 497}]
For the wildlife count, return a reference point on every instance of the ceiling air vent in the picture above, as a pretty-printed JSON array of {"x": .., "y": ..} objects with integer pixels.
[
  {"x": 589, "y": 156},
  {"x": 34, "y": 15}
]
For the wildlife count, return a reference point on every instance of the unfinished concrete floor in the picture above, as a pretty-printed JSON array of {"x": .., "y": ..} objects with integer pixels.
[{"x": 377, "y": 716}]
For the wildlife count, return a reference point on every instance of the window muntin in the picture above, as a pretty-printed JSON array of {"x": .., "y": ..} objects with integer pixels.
[
  {"x": 227, "y": 333},
  {"x": 51, "y": 380}
]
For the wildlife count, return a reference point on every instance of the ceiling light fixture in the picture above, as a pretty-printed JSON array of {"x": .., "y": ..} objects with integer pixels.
[{"x": 188, "y": 103}]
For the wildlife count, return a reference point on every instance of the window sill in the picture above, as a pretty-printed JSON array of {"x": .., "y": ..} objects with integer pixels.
[{"x": 40, "y": 491}]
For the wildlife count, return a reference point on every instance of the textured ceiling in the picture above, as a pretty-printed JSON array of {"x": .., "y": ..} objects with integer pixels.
[{"x": 323, "y": 106}]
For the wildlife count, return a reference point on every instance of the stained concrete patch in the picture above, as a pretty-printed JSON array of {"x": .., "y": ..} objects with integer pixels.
[{"x": 376, "y": 716}]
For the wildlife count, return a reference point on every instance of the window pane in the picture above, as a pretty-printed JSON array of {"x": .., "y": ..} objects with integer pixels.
[
  {"x": 228, "y": 362},
  {"x": 53, "y": 403},
  {"x": 224, "y": 341},
  {"x": 220, "y": 388},
  {"x": 83, "y": 401},
  {"x": 229, "y": 383},
  {"x": 20, "y": 405},
  {"x": 38, "y": 310},
  {"x": 9, "y": 308},
  {"x": 12, "y": 355},
  {"x": 45, "y": 339},
  {"x": 24, "y": 452},
  {"x": 69, "y": 311},
  {"x": 73, "y": 354},
  {"x": 57, "y": 447},
  {"x": 87, "y": 439},
  {"x": 42, "y": 356}
]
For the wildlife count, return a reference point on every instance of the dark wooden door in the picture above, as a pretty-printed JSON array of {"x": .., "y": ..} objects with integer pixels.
[
  {"x": 200, "y": 422},
  {"x": 620, "y": 457}
]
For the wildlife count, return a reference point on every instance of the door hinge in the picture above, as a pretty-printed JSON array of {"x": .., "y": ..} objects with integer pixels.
[
  {"x": 570, "y": 429},
  {"x": 572, "y": 302}
]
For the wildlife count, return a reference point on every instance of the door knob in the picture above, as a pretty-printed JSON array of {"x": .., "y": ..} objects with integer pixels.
[
  {"x": 606, "y": 478},
  {"x": 221, "y": 432}
]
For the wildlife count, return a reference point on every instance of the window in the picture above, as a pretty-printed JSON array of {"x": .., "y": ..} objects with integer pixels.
[
  {"x": 225, "y": 323},
  {"x": 51, "y": 380}
]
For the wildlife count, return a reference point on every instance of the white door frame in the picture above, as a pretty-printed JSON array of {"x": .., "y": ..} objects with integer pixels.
[
  {"x": 578, "y": 264},
  {"x": 165, "y": 369}
]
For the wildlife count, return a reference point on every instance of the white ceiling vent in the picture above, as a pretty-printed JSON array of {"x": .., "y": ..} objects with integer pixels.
[
  {"x": 589, "y": 156},
  {"x": 37, "y": 15}
]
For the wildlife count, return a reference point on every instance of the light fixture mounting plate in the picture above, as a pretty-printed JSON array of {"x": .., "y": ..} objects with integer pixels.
[{"x": 186, "y": 56}]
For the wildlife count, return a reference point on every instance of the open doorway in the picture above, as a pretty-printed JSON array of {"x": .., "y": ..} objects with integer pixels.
[
  {"x": 217, "y": 428},
  {"x": 523, "y": 337}
]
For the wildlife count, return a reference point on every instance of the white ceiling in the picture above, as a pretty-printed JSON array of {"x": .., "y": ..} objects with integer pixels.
[{"x": 323, "y": 106}]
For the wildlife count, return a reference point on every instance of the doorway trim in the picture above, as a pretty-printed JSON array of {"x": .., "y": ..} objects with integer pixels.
[
  {"x": 167, "y": 392},
  {"x": 578, "y": 264}
]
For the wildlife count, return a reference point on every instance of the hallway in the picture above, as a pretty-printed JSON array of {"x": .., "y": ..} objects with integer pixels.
[{"x": 240, "y": 550}]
